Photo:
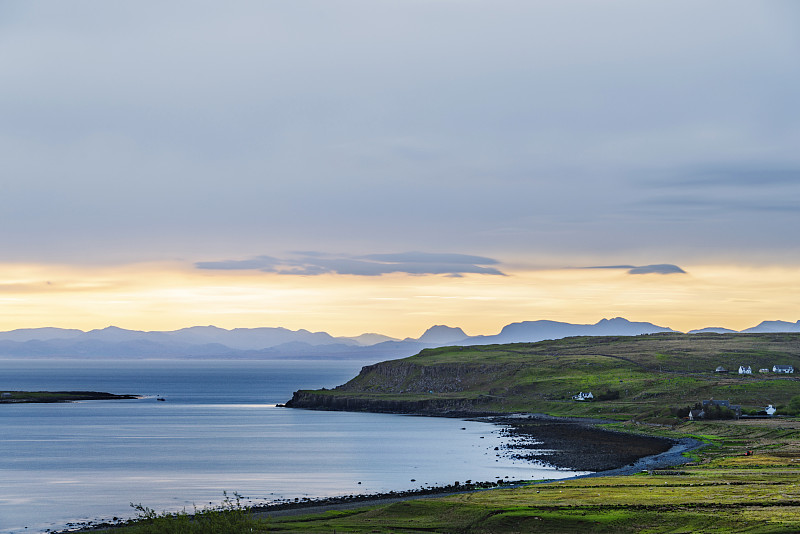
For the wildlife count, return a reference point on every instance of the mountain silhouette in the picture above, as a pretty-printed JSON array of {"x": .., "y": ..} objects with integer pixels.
[
  {"x": 774, "y": 326},
  {"x": 442, "y": 335},
  {"x": 283, "y": 343}
]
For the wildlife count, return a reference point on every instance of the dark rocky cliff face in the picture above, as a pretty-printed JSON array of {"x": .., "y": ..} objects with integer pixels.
[
  {"x": 400, "y": 376},
  {"x": 319, "y": 401},
  {"x": 409, "y": 378}
]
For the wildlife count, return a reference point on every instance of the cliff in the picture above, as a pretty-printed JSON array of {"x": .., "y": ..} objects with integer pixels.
[{"x": 321, "y": 401}]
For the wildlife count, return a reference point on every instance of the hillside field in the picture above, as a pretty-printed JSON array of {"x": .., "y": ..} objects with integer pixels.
[{"x": 645, "y": 377}]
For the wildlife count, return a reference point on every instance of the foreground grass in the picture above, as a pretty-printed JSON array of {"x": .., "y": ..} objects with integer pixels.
[
  {"x": 722, "y": 491},
  {"x": 729, "y": 499},
  {"x": 230, "y": 518}
]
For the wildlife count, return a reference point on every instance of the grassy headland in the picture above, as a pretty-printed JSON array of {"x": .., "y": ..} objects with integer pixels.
[{"x": 641, "y": 378}]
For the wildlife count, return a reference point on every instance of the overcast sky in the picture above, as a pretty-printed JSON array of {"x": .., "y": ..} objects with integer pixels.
[{"x": 365, "y": 137}]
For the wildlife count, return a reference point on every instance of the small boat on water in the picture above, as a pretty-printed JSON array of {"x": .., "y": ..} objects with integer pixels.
[{"x": 162, "y": 399}]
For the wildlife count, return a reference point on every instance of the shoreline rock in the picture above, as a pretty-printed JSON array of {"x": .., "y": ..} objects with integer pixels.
[
  {"x": 577, "y": 445},
  {"x": 441, "y": 407}
]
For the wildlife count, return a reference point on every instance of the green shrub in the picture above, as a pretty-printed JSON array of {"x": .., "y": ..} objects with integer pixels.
[
  {"x": 793, "y": 408},
  {"x": 609, "y": 395},
  {"x": 681, "y": 413}
]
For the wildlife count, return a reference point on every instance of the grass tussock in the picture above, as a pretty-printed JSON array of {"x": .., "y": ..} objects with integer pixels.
[{"x": 230, "y": 518}]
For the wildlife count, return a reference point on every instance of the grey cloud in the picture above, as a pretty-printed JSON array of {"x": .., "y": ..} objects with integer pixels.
[
  {"x": 746, "y": 178},
  {"x": 310, "y": 253},
  {"x": 664, "y": 268},
  {"x": 260, "y": 263},
  {"x": 661, "y": 268},
  {"x": 745, "y": 175},
  {"x": 721, "y": 203},
  {"x": 314, "y": 263}
]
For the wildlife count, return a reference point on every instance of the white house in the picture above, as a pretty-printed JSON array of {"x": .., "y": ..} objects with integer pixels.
[
  {"x": 786, "y": 369},
  {"x": 770, "y": 410},
  {"x": 583, "y": 396},
  {"x": 745, "y": 370}
]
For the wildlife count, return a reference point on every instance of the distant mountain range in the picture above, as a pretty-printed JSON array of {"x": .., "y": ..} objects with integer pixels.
[{"x": 281, "y": 343}]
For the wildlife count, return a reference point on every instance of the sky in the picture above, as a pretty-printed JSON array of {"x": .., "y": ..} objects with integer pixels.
[{"x": 383, "y": 166}]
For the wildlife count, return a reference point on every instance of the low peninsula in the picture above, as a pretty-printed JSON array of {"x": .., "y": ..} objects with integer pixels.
[{"x": 17, "y": 397}]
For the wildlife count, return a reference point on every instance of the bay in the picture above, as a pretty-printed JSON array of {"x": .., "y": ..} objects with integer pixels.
[{"x": 218, "y": 430}]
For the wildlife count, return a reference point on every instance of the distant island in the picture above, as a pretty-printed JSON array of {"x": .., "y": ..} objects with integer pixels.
[{"x": 13, "y": 397}]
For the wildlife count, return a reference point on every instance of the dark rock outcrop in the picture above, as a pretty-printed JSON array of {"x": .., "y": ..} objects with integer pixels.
[{"x": 436, "y": 406}]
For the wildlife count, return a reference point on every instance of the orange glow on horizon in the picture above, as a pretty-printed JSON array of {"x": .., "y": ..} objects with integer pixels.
[{"x": 171, "y": 296}]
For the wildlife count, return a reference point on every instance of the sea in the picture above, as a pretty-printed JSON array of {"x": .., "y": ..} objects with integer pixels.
[{"x": 217, "y": 432}]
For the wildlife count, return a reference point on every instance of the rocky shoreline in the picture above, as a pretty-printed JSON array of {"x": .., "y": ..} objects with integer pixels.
[
  {"x": 567, "y": 443},
  {"x": 577, "y": 445},
  {"x": 570, "y": 443},
  {"x": 574, "y": 444}
]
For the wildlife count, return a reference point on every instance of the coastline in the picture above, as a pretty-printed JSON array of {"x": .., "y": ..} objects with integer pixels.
[
  {"x": 671, "y": 456},
  {"x": 576, "y": 444},
  {"x": 526, "y": 433},
  {"x": 573, "y": 443}
]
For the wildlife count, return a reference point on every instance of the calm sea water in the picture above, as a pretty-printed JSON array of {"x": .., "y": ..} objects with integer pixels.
[{"x": 219, "y": 430}]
